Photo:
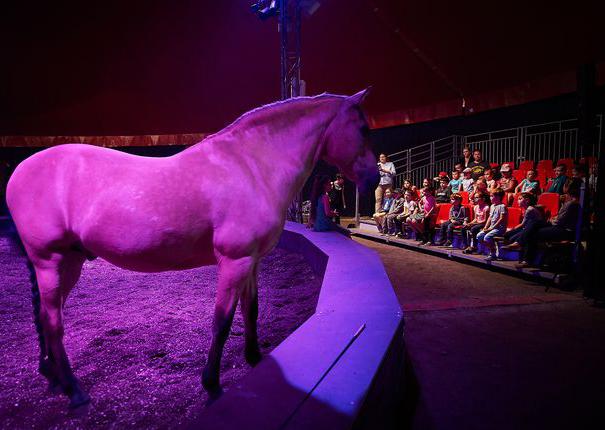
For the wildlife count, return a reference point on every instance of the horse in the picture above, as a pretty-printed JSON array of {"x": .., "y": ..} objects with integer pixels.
[{"x": 75, "y": 202}]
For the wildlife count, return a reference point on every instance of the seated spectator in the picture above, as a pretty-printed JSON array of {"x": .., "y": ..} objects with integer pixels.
[
  {"x": 495, "y": 225},
  {"x": 457, "y": 217},
  {"x": 507, "y": 183},
  {"x": 479, "y": 187},
  {"x": 468, "y": 183},
  {"x": 517, "y": 236},
  {"x": 437, "y": 179},
  {"x": 396, "y": 209},
  {"x": 443, "y": 193},
  {"x": 563, "y": 227},
  {"x": 578, "y": 177},
  {"x": 379, "y": 217},
  {"x": 529, "y": 185},
  {"x": 422, "y": 220},
  {"x": 472, "y": 228},
  {"x": 490, "y": 181},
  {"x": 321, "y": 214},
  {"x": 478, "y": 166},
  {"x": 410, "y": 207},
  {"x": 559, "y": 182},
  {"x": 459, "y": 167},
  {"x": 455, "y": 182}
]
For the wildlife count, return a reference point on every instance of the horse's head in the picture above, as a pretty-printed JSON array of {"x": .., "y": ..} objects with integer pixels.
[{"x": 347, "y": 143}]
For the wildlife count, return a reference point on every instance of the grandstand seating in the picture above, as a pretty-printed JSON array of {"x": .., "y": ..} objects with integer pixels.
[
  {"x": 443, "y": 213},
  {"x": 588, "y": 161},
  {"x": 544, "y": 166},
  {"x": 515, "y": 215},
  {"x": 519, "y": 175}
]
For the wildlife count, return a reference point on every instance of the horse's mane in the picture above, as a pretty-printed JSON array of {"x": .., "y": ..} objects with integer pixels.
[{"x": 268, "y": 112}]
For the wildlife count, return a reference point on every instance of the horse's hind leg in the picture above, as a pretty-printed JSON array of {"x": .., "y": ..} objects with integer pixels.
[
  {"x": 233, "y": 276},
  {"x": 56, "y": 277},
  {"x": 249, "y": 305}
]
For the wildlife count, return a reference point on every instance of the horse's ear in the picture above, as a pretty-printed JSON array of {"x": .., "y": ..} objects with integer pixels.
[{"x": 360, "y": 96}]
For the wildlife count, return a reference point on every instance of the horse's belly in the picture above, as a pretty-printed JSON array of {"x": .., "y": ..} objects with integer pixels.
[{"x": 159, "y": 261}]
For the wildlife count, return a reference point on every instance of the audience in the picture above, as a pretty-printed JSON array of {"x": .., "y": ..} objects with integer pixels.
[
  {"x": 421, "y": 221},
  {"x": 380, "y": 215},
  {"x": 321, "y": 213},
  {"x": 507, "y": 183},
  {"x": 410, "y": 207},
  {"x": 478, "y": 165},
  {"x": 490, "y": 181},
  {"x": 530, "y": 184},
  {"x": 466, "y": 157},
  {"x": 395, "y": 210},
  {"x": 468, "y": 183},
  {"x": 456, "y": 182},
  {"x": 517, "y": 236},
  {"x": 386, "y": 169},
  {"x": 442, "y": 194},
  {"x": 337, "y": 196},
  {"x": 560, "y": 181}
]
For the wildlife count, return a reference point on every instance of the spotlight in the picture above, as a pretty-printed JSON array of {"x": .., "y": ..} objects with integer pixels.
[{"x": 265, "y": 9}]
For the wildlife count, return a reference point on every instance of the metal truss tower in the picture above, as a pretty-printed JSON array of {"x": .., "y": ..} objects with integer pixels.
[{"x": 289, "y": 28}]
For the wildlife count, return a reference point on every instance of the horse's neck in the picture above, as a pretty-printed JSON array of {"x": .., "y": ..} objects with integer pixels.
[{"x": 287, "y": 143}]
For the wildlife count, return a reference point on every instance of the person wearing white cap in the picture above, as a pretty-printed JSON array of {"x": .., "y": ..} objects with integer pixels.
[
  {"x": 468, "y": 183},
  {"x": 507, "y": 183}
]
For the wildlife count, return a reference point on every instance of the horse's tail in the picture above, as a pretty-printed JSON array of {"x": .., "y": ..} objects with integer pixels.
[{"x": 13, "y": 235}]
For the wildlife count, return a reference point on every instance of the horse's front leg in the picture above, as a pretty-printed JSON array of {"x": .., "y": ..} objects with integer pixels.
[
  {"x": 249, "y": 305},
  {"x": 233, "y": 276}
]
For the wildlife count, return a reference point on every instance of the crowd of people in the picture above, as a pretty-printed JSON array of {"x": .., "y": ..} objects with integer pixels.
[{"x": 479, "y": 195}]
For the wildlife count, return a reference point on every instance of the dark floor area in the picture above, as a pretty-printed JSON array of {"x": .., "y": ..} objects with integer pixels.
[{"x": 491, "y": 351}]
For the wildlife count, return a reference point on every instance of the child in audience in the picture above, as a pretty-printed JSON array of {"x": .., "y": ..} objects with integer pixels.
[
  {"x": 468, "y": 183},
  {"x": 441, "y": 176},
  {"x": 480, "y": 187},
  {"x": 490, "y": 181},
  {"x": 442, "y": 194},
  {"x": 507, "y": 183},
  {"x": 421, "y": 221},
  {"x": 495, "y": 225},
  {"x": 379, "y": 217},
  {"x": 396, "y": 209},
  {"x": 472, "y": 228},
  {"x": 457, "y": 217},
  {"x": 530, "y": 184},
  {"x": 459, "y": 167},
  {"x": 455, "y": 182},
  {"x": 408, "y": 186},
  {"x": 410, "y": 207}
]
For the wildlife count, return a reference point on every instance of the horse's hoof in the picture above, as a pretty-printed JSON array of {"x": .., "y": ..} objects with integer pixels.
[
  {"x": 79, "y": 399},
  {"x": 54, "y": 387},
  {"x": 210, "y": 383},
  {"x": 253, "y": 357}
]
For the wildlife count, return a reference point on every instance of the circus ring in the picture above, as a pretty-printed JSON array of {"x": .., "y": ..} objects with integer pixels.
[{"x": 343, "y": 367}]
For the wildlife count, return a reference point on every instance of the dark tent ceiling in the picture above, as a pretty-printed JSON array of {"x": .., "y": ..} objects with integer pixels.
[{"x": 189, "y": 66}]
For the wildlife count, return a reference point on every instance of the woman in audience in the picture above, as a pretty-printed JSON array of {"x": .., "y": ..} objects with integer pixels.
[
  {"x": 472, "y": 228},
  {"x": 421, "y": 221},
  {"x": 495, "y": 225},
  {"x": 507, "y": 183},
  {"x": 468, "y": 183},
  {"x": 380, "y": 216},
  {"x": 321, "y": 214},
  {"x": 517, "y": 237},
  {"x": 466, "y": 157},
  {"x": 530, "y": 184},
  {"x": 457, "y": 217}
]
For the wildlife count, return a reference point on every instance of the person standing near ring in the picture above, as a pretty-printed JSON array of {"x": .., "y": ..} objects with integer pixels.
[{"x": 387, "y": 175}]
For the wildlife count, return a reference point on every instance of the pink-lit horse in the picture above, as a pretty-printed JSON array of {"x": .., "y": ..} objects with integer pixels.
[{"x": 73, "y": 202}]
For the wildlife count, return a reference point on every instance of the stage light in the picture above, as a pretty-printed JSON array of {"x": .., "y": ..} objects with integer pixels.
[
  {"x": 309, "y": 7},
  {"x": 265, "y": 9}
]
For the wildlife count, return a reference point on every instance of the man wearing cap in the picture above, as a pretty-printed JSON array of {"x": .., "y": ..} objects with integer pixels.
[
  {"x": 507, "y": 183},
  {"x": 387, "y": 174},
  {"x": 478, "y": 166}
]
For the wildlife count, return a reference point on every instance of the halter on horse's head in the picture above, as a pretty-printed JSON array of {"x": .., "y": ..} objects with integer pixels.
[{"x": 347, "y": 144}]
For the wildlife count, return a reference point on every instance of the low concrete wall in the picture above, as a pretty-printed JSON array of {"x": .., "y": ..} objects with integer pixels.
[{"x": 338, "y": 370}]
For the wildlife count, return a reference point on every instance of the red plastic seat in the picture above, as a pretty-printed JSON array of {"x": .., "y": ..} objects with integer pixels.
[
  {"x": 464, "y": 195},
  {"x": 526, "y": 165},
  {"x": 569, "y": 162},
  {"x": 515, "y": 215},
  {"x": 443, "y": 213},
  {"x": 494, "y": 166},
  {"x": 519, "y": 175},
  {"x": 544, "y": 166},
  {"x": 588, "y": 161},
  {"x": 550, "y": 201}
]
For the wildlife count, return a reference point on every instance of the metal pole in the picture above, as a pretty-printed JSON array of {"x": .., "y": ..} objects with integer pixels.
[{"x": 357, "y": 207}]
